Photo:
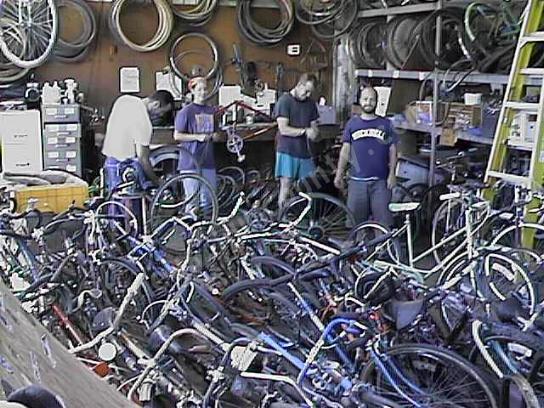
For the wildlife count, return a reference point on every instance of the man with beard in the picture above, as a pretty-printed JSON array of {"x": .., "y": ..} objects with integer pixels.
[{"x": 369, "y": 146}]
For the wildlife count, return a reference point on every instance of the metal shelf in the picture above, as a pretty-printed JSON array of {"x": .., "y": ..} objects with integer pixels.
[
  {"x": 428, "y": 129},
  {"x": 391, "y": 11},
  {"x": 476, "y": 77}
]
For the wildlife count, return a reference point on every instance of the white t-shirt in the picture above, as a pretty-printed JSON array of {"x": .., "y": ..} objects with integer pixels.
[{"x": 128, "y": 125}]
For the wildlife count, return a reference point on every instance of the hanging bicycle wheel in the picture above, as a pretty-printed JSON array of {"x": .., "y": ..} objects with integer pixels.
[
  {"x": 328, "y": 216},
  {"x": 28, "y": 32},
  {"x": 421, "y": 375},
  {"x": 188, "y": 196}
]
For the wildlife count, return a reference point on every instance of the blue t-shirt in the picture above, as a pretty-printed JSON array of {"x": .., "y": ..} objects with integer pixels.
[
  {"x": 300, "y": 115},
  {"x": 195, "y": 118},
  {"x": 370, "y": 142}
]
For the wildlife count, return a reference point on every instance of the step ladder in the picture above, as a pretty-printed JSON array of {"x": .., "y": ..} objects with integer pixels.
[{"x": 514, "y": 111}]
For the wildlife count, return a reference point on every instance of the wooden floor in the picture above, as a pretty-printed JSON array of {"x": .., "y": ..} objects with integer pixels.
[{"x": 29, "y": 354}]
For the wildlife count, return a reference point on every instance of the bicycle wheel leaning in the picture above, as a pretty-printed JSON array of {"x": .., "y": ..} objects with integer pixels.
[
  {"x": 426, "y": 376},
  {"x": 328, "y": 217},
  {"x": 187, "y": 196}
]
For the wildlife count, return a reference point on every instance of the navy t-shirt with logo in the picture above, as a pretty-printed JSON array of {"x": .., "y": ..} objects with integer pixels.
[
  {"x": 195, "y": 118},
  {"x": 300, "y": 115},
  {"x": 370, "y": 142}
]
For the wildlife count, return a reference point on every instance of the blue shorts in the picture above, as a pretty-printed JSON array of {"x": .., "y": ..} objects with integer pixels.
[{"x": 293, "y": 167}]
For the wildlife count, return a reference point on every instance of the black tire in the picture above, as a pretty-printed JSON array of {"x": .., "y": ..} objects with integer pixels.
[{"x": 429, "y": 367}]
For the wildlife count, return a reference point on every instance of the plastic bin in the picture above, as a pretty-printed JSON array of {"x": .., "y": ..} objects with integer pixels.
[{"x": 53, "y": 198}]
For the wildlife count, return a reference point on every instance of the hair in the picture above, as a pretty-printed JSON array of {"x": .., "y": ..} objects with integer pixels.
[
  {"x": 196, "y": 80},
  {"x": 163, "y": 97},
  {"x": 307, "y": 77}
]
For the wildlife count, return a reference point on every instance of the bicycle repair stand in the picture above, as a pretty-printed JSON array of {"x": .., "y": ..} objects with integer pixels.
[{"x": 512, "y": 133}]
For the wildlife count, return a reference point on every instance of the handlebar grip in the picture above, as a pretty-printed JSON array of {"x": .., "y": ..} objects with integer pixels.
[{"x": 449, "y": 196}]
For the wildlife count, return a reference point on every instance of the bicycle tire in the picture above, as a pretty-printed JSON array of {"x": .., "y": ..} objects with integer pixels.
[
  {"x": 503, "y": 239},
  {"x": 358, "y": 235},
  {"x": 452, "y": 213},
  {"x": 165, "y": 160},
  {"x": 328, "y": 216},
  {"x": 425, "y": 358}
]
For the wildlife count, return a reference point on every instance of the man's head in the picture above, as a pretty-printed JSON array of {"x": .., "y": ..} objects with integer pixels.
[
  {"x": 160, "y": 105},
  {"x": 368, "y": 99},
  {"x": 199, "y": 89},
  {"x": 305, "y": 86}
]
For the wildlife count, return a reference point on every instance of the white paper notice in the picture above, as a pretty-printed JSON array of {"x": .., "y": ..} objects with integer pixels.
[
  {"x": 129, "y": 79},
  {"x": 168, "y": 81}
]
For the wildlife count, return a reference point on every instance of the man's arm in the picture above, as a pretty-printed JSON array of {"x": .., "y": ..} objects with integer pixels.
[
  {"x": 343, "y": 161},
  {"x": 190, "y": 137},
  {"x": 392, "y": 179},
  {"x": 143, "y": 157},
  {"x": 286, "y": 130}
]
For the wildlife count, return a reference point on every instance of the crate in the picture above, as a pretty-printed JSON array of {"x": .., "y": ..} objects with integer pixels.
[{"x": 53, "y": 198}]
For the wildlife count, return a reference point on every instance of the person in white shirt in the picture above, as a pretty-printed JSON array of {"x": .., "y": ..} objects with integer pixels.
[{"x": 128, "y": 134}]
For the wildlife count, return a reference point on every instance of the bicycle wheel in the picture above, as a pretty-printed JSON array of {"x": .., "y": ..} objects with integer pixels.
[
  {"x": 236, "y": 173},
  {"x": 38, "y": 24},
  {"x": 165, "y": 160},
  {"x": 428, "y": 376},
  {"x": 527, "y": 236},
  {"x": 448, "y": 219},
  {"x": 116, "y": 276},
  {"x": 328, "y": 216},
  {"x": 226, "y": 193},
  {"x": 16, "y": 260},
  {"x": 187, "y": 196},
  {"x": 367, "y": 231},
  {"x": 511, "y": 352},
  {"x": 505, "y": 276}
]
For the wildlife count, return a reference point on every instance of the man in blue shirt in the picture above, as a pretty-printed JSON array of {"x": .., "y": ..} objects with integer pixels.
[
  {"x": 369, "y": 146},
  {"x": 296, "y": 114}
]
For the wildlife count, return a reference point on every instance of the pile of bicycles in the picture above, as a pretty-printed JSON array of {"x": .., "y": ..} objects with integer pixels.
[{"x": 205, "y": 304}]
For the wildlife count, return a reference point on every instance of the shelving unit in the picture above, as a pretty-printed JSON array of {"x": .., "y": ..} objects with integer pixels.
[{"x": 436, "y": 75}]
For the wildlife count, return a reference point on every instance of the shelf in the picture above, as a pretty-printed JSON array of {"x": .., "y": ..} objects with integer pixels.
[
  {"x": 476, "y": 77},
  {"x": 391, "y": 11},
  {"x": 460, "y": 134}
]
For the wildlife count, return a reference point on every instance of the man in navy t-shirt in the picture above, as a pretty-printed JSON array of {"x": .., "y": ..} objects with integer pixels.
[
  {"x": 369, "y": 146},
  {"x": 195, "y": 129},
  {"x": 296, "y": 114}
]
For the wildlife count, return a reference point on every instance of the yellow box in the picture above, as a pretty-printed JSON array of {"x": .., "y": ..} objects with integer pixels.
[{"x": 54, "y": 198}]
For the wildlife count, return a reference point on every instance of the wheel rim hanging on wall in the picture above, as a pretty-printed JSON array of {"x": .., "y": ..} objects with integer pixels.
[
  {"x": 76, "y": 49},
  {"x": 198, "y": 15},
  {"x": 37, "y": 21},
  {"x": 164, "y": 28},
  {"x": 259, "y": 34}
]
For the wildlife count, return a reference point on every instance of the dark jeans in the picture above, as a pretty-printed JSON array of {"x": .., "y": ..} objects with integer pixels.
[{"x": 370, "y": 197}]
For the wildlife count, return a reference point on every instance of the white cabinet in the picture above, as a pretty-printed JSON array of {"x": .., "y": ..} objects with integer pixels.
[{"x": 21, "y": 136}]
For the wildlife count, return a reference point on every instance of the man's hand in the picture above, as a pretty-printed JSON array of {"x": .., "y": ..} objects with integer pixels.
[
  {"x": 391, "y": 181},
  {"x": 339, "y": 182},
  {"x": 218, "y": 137},
  {"x": 311, "y": 133}
]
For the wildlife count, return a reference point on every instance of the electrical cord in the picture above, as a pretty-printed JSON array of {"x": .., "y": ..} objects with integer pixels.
[
  {"x": 164, "y": 29},
  {"x": 259, "y": 34}
]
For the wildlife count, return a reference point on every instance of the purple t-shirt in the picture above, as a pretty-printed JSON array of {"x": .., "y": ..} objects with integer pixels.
[
  {"x": 195, "y": 118},
  {"x": 370, "y": 141},
  {"x": 300, "y": 115}
]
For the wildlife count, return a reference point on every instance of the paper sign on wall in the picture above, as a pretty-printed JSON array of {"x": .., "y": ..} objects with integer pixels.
[{"x": 129, "y": 79}]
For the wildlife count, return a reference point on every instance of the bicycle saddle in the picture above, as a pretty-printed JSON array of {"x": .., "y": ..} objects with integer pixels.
[{"x": 404, "y": 312}]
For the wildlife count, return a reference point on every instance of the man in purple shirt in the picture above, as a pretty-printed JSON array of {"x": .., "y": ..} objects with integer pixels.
[
  {"x": 195, "y": 129},
  {"x": 369, "y": 146},
  {"x": 296, "y": 114}
]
